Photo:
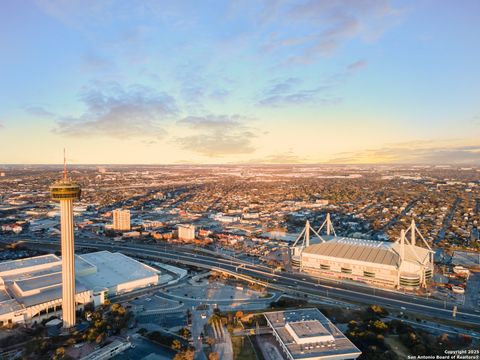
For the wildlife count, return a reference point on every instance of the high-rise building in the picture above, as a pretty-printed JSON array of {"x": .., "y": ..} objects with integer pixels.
[
  {"x": 66, "y": 191},
  {"x": 121, "y": 220},
  {"x": 186, "y": 232}
]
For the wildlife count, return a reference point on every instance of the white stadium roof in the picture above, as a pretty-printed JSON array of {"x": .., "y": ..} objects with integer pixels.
[{"x": 369, "y": 251}]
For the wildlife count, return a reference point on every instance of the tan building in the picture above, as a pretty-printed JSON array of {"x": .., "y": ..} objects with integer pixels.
[
  {"x": 186, "y": 232},
  {"x": 400, "y": 264},
  {"x": 121, "y": 220}
]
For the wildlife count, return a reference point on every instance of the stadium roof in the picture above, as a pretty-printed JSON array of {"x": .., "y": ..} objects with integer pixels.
[
  {"x": 379, "y": 252},
  {"x": 370, "y": 251}
]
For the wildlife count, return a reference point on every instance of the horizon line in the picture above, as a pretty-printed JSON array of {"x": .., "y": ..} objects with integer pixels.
[{"x": 244, "y": 164}]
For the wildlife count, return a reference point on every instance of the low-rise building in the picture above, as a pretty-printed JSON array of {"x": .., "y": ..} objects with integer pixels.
[{"x": 307, "y": 334}]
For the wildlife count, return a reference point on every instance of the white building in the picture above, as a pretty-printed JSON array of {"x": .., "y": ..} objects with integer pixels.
[
  {"x": 400, "y": 264},
  {"x": 186, "y": 232},
  {"x": 32, "y": 287},
  {"x": 308, "y": 335},
  {"x": 121, "y": 220}
]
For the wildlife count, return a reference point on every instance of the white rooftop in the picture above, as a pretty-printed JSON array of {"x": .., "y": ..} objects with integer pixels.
[
  {"x": 38, "y": 280},
  {"x": 26, "y": 264},
  {"x": 113, "y": 269},
  {"x": 308, "y": 334},
  {"x": 369, "y": 251}
]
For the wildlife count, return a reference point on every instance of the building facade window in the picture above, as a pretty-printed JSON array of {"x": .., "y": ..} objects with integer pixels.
[{"x": 368, "y": 274}]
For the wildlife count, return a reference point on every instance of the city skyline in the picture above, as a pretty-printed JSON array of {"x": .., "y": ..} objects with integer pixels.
[{"x": 240, "y": 82}]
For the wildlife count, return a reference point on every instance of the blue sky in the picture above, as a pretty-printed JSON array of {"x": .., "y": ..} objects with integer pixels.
[{"x": 305, "y": 81}]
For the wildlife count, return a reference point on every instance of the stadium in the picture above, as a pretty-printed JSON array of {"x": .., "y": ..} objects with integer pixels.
[{"x": 401, "y": 264}]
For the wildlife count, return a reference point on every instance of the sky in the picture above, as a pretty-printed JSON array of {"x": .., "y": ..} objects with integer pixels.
[{"x": 242, "y": 82}]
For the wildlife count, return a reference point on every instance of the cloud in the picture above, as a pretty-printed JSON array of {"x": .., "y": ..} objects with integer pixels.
[
  {"x": 38, "y": 111},
  {"x": 321, "y": 27},
  {"x": 95, "y": 62},
  {"x": 198, "y": 87},
  {"x": 299, "y": 98},
  {"x": 414, "y": 152},
  {"x": 357, "y": 65},
  {"x": 121, "y": 113},
  {"x": 286, "y": 92},
  {"x": 217, "y": 135},
  {"x": 283, "y": 86}
]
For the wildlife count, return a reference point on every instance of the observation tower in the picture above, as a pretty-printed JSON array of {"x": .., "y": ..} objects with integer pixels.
[{"x": 66, "y": 191}]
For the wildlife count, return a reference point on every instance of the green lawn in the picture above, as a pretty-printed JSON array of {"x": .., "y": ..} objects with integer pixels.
[{"x": 242, "y": 348}]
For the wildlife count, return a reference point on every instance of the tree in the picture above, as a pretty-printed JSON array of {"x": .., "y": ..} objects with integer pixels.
[
  {"x": 188, "y": 354},
  {"x": 352, "y": 325},
  {"x": 380, "y": 326},
  {"x": 176, "y": 345},
  {"x": 376, "y": 311},
  {"x": 239, "y": 314},
  {"x": 184, "y": 332},
  {"x": 213, "y": 356},
  {"x": 59, "y": 353}
]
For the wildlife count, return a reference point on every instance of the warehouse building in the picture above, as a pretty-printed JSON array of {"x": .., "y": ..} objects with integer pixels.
[
  {"x": 32, "y": 287},
  {"x": 308, "y": 335},
  {"x": 400, "y": 264}
]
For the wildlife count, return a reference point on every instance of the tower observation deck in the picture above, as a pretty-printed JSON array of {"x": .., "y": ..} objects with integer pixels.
[{"x": 66, "y": 191}]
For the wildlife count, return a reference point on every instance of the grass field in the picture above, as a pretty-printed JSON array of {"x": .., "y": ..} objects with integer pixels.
[
  {"x": 394, "y": 343},
  {"x": 242, "y": 348}
]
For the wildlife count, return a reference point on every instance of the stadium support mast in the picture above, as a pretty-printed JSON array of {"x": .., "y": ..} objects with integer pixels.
[
  {"x": 402, "y": 245},
  {"x": 412, "y": 233},
  {"x": 329, "y": 226},
  {"x": 304, "y": 237}
]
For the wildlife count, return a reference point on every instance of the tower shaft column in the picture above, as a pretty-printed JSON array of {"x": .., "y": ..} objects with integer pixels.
[{"x": 68, "y": 263}]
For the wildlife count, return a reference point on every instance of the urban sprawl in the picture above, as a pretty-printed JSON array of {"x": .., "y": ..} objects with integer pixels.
[{"x": 241, "y": 262}]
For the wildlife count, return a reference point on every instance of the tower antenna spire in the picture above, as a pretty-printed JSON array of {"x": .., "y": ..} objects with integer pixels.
[{"x": 64, "y": 165}]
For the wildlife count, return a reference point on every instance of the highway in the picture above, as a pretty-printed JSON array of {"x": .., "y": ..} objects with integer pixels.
[{"x": 298, "y": 284}]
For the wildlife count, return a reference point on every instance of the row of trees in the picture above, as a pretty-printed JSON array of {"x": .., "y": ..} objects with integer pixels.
[
  {"x": 106, "y": 320},
  {"x": 369, "y": 332}
]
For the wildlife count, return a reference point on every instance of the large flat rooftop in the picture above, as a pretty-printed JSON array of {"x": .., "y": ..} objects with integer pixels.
[
  {"x": 37, "y": 280},
  {"x": 113, "y": 269},
  {"x": 24, "y": 265},
  {"x": 310, "y": 323}
]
